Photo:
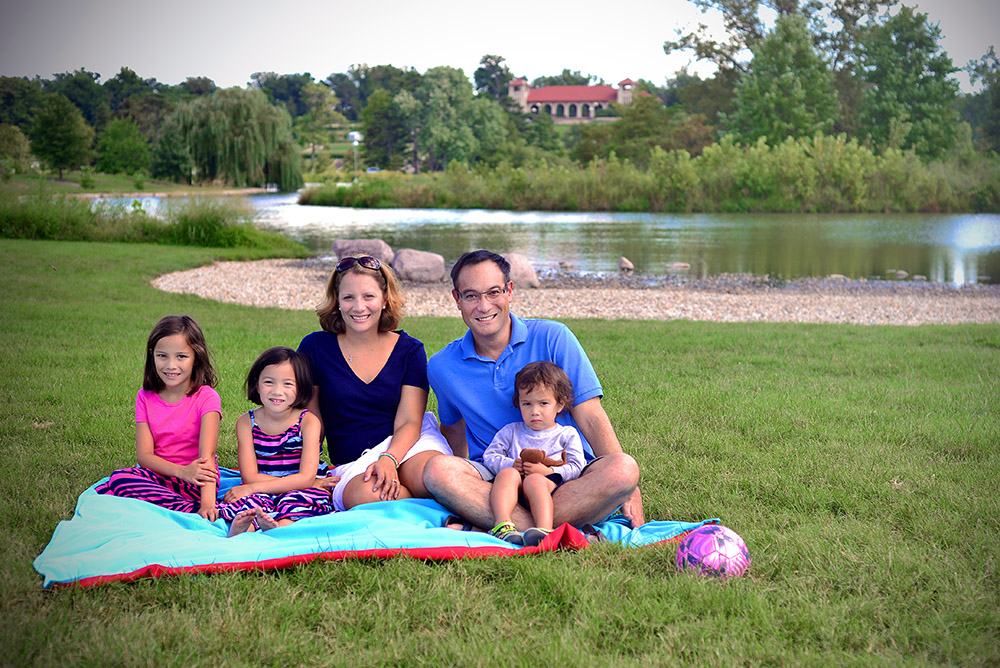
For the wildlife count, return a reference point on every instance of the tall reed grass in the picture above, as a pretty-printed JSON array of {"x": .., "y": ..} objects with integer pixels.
[
  {"x": 822, "y": 174},
  {"x": 207, "y": 222}
]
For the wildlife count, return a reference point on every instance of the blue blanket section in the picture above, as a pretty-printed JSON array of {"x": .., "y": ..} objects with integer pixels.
[{"x": 109, "y": 536}]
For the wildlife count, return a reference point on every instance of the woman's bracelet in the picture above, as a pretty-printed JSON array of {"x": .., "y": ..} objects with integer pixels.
[{"x": 389, "y": 455}]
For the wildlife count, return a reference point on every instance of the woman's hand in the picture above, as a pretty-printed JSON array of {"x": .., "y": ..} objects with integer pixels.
[
  {"x": 200, "y": 472},
  {"x": 383, "y": 470},
  {"x": 238, "y": 492},
  {"x": 210, "y": 513},
  {"x": 328, "y": 482}
]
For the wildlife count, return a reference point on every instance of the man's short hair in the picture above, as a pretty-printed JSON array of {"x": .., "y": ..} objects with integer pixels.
[{"x": 478, "y": 257}]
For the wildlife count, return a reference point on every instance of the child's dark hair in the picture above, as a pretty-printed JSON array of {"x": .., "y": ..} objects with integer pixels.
[
  {"x": 548, "y": 375},
  {"x": 300, "y": 367},
  {"x": 202, "y": 372}
]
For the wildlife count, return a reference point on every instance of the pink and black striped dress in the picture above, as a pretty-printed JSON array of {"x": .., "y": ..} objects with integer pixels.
[{"x": 280, "y": 455}]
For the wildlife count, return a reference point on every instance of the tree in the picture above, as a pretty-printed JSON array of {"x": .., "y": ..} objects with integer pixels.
[
  {"x": 385, "y": 131},
  {"x": 412, "y": 112},
  {"x": 910, "y": 99},
  {"x": 238, "y": 136},
  {"x": 20, "y": 99},
  {"x": 987, "y": 121},
  {"x": 148, "y": 112},
  {"x": 60, "y": 137},
  {"x": 171, "y": 156},
  {"x": 349, "y": 99},
  {"x": 445, "y": 133},
  {"x": 124, "y": 86},
  {"x": 788, "y": 91},
  {"x": 315, "y": 125},
  {"x": 122, "y": 149},
  {"x": 197, "y": 86},
  {"x": 284, "y": 88},
  {"x": 567, "y": 78},
  {"x": 489, "y": 125},
  {"x": 81, "y": 88},
  {"x": 835, "y": 26},
  {"x": 14, "y": 149},
  {"x": 712, "y": 98},
  {"x": 644, "y": 123},
  {"x": 541, "y": 132},
  {"x": 492, "y": 77},
  {"x": 386, "y": 77}
]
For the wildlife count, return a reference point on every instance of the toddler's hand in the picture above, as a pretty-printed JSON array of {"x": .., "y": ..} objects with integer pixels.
[
  {"x": 210, "y": 513},
  {"x": 536, "y": 467},
  {"x": 519, "y": 466}
]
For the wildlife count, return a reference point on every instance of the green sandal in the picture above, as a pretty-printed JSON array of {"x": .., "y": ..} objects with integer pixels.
[{"x": 508, "y": 532}]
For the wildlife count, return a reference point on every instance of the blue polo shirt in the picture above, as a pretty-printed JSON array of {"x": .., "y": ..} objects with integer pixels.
[{"x": 480, "y": 390}]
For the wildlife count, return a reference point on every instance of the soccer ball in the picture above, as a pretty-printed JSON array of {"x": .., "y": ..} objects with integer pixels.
[{"x": 713, "y": 549}]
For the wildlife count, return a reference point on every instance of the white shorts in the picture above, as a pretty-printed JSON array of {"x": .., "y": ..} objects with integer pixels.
[{"x": 430, "y": 439}]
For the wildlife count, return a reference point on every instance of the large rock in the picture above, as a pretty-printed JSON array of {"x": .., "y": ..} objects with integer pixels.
[
  {"x": 418, "y": 266},
  {"x": 374, "y": 247},
  {"x": 521, "y": 271}
]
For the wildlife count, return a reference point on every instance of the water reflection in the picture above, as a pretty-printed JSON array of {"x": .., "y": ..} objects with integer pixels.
[{"x": 959, "y": 248}]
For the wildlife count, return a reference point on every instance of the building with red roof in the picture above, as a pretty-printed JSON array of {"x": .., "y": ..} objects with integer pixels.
[{"x": 569, "y": 104}]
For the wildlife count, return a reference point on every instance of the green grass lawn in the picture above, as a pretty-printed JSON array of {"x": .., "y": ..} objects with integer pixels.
[{"x": 859, "y": 463}]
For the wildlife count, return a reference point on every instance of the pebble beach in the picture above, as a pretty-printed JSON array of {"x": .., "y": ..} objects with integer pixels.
[{"x": 300, "y": 284}]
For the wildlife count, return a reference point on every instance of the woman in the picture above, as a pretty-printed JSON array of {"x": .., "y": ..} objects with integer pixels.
[{"x": 371, "y": 387}]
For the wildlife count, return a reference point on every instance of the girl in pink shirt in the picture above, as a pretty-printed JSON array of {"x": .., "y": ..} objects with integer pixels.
[{"x": 177, "y": 416}]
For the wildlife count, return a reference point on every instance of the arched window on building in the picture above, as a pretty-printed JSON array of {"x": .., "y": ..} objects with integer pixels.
[
  {"x": 560, "y": 111},
  {"x": 548, "y": 109},
  {"x": 534, "y": 109},
  {"x": 572, "y": 111},
  {"x": 585, "y": 111}
]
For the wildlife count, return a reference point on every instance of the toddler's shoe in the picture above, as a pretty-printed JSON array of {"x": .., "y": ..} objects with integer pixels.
[
  {"x": 535, "y": 536},
  {"x": 508, "y": 532}
]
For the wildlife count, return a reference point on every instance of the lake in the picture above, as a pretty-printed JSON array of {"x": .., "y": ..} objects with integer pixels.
[{"x": 946, "y": 248}]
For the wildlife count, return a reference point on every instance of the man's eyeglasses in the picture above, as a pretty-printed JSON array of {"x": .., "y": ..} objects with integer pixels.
[
  {"x": 366, "y": 261},
  {"x": 472, "y": 297}
]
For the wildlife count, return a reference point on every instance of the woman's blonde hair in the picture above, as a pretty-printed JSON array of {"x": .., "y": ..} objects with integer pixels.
[{"x": 330, "y": 318}]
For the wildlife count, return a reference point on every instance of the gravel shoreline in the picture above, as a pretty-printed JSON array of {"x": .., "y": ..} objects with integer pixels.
[{"x": 300, "y": 284}]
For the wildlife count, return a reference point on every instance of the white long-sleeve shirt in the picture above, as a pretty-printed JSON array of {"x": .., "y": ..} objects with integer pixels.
[{"x": 512, "y": 438}]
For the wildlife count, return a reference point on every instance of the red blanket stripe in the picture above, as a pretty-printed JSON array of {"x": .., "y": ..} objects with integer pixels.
[{"x": 564, "y": 537}]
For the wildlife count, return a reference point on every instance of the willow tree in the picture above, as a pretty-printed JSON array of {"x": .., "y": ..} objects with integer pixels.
[{"x": 240, "y": 137}]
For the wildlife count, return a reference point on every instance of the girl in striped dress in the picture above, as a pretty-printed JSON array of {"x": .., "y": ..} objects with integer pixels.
[
  {"x": 278, "y": 449},
  {"x": 177, "y": 416}
]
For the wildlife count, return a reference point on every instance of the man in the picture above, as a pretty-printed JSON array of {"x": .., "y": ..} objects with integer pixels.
[{"x": 473, "y": 379}]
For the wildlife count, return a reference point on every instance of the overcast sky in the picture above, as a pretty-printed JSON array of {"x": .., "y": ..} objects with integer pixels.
[{"x": 228, "y": 41}]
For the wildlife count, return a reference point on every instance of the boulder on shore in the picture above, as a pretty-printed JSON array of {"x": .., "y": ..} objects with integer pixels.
[
  {"x": 521, "y": 271},
  {"x": 374, "y": 247},
  {"x": 418, "y": 266}
]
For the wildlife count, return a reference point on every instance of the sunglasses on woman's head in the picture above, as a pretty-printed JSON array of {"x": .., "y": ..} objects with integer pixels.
[{"x": 366, "y": 261}]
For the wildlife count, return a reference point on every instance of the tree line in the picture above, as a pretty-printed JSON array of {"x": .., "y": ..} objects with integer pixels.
[{"x": 842, "y": 68}]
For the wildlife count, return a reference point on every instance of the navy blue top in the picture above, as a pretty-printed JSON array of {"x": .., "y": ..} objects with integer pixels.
[{"x": 357, "y": 416}]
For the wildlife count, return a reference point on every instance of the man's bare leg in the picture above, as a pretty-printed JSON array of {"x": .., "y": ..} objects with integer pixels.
[
  {"x": 457, "y": 486},
  {"x": 605, "y": 485}
]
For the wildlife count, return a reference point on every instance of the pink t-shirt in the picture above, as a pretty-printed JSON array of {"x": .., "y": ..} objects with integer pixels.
[{"x": 176, "y": 427}]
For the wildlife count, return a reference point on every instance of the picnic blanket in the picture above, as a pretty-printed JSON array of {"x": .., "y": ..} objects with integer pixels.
[{"x": 111, "y": 538}]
